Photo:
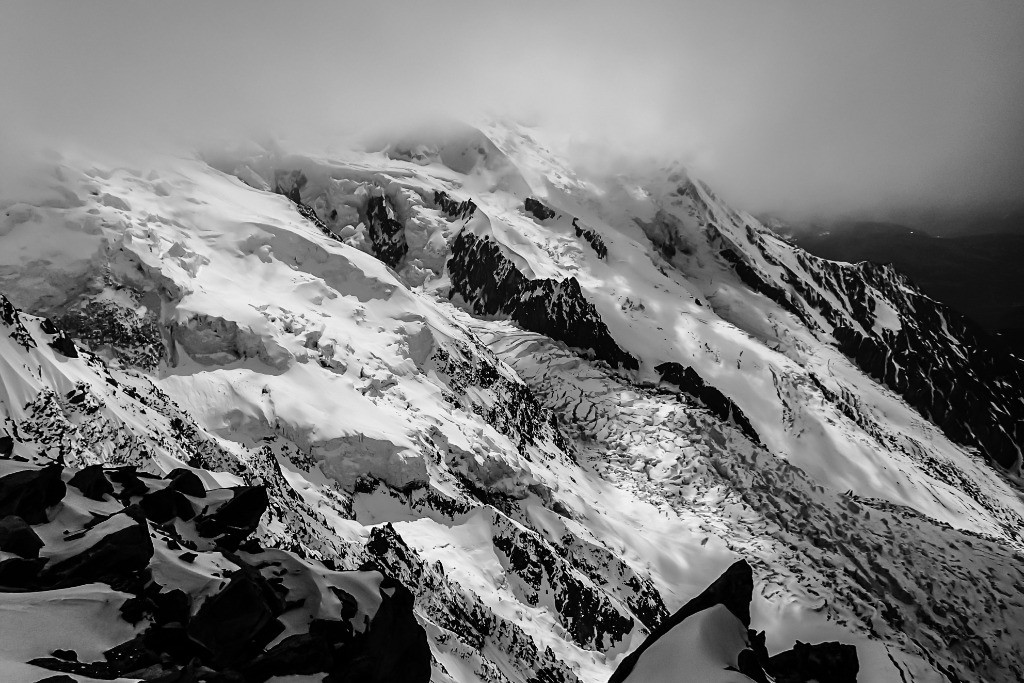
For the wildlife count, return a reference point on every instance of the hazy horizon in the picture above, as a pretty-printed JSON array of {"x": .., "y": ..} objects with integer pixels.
[{"x": 805, "y": 109}]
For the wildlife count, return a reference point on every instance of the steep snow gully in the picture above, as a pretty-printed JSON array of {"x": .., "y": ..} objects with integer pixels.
[{"x": 447, "y": 409}]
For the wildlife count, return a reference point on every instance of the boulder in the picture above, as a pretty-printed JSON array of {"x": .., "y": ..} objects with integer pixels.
[
  {"x": 834, "y": 662},
  {"x": 17, "y": 537},
  {"x": 30, "y": 493},
  {"x": 92, "y": 482},
  {"x": 186, "y": 481},
  {"x": 165, "y": 504},
  {"x": 232, "y": 522}
]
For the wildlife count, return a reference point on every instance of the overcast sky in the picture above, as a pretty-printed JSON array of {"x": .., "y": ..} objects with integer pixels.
[{"x": 787, "y": 106}]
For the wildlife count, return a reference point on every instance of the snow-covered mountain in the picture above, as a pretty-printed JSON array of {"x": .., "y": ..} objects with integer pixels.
[{"x": 553, "y": 406}]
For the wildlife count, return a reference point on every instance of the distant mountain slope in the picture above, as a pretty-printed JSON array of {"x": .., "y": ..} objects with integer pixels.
[{"x": 978, "y": 275}]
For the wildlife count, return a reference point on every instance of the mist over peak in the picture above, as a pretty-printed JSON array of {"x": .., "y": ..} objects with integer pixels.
[{"x": 794, "y": 108}]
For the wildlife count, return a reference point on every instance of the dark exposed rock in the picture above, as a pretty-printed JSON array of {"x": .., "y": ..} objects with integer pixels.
[
  {"x": 515, "y": 411},
  {"x": 130, "y": 481},
  {"x": 20, "y": 573},
  {"x": 10, "y": 317},
  {"x": 236, "y": 623},
  {"x": 944, "y": 365},
  {"x": 226, "y": 639},
  {"x": 290, "y": 184},
  {"x": 6, "y": 446},
  {"x": 749, "y": 663},
  {"x": 232, "y": 522},
  {"x": 393, "y": 650},
  {"x": 714, "y": 400},
  {"x": 458, "y": 611},
  {"x": 387, "y": 234},
  {"x": 464, "y": 209},
  {"x": 591, "y": 619},
  {"x": 119, "y": 554},
  {"x": 64, "y": 345},
  {"x": 119, "y": 329},
  {"x": 30, "y": 493},
  {"x": 17, "y": 537},
  {"x": 493, "y": 285},
  {"x": 733, "y": 589},
  {"x": 186, "y": 481},
  {"x": 833, "y": 662},
  {"x": 92, "y": 482},
  {"x": 753, "y": 279},
  {"x": 309, "y": 213},
  {"x": 8, "y": 311},
  {"x": 538, "y": 209},
  {"x": 593, "y": 239},
  {"x": 949, "y": 369},
  {"x": 165, "y": 504}
]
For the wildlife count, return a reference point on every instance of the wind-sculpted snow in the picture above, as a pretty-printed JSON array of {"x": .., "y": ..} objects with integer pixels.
[
  {"x": 190, "y": 603},
  {"x": 554, "y": 422}
]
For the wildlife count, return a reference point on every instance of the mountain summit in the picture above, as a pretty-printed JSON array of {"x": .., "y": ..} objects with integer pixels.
[{"x": 449, "y": 403}]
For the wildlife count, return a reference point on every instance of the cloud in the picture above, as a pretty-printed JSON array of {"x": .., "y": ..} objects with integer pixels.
[{"x": 793, "y": 107}]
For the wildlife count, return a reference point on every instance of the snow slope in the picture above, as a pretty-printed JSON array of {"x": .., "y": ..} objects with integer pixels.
[{"x": 553, "y": 426}]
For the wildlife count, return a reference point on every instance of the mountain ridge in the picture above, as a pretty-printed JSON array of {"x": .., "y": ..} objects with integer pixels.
[{"x": 297, "y": 322}]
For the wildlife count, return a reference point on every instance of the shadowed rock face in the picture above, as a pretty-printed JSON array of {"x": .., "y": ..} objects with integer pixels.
[
  {"x": 595, "y": 240},
  {"x": 733, "y": 590},
  {"x": 714, "y": 400},
  {"x": 834, "y": 662},
  {"x": 949, "y": 369},
  {"x": 492, "y": 285},
  {"x": 30, "y": 493},
  {"x": 453, "y": 209},
  {"x": 945, "y": 366},
  {"x": 386, "y": 232},
  {"x": 538, "y": 210}
]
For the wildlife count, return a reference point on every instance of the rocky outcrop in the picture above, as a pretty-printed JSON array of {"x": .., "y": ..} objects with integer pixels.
[
  {"x": 945, "y": 366},
  {"x": 123, "y": 332},
  {"x": 29, "y": 493},
  {"x": 387, "y": 235},
  {"x": 453, "y": 209},
  {"x": 593, "y": 239},
  {"x": 834, "y": 662},
  {"x": 473, "y": 625},
  {"x": 490, "y": 282},
  {"x": 539, "y": 210},
  {"x": 689, "y": 382},
  {"x": 269, "y": 613},
  {"x": 590, "y": 617},
  {"x": 733, "y": 590},
  {"x": 514, "y": 411},
  {"x": 11, "y": 319}
]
